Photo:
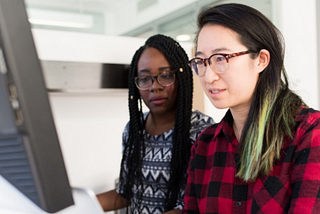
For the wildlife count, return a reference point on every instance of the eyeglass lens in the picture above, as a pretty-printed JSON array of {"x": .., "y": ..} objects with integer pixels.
[
  {"x": 218, "y": 63},
  {"x": 165, "y": 78}
]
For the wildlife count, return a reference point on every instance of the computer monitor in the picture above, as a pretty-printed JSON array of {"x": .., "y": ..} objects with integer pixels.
[{"x": 30, "y": 154}]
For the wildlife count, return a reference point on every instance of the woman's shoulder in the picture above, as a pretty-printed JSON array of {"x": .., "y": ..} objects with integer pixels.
[
  {"x": 199, "y": 122},
  {"x": 307, "y": 123},
  {"x": 308, "y": 116},
  {"x": 197, "y": 117}
]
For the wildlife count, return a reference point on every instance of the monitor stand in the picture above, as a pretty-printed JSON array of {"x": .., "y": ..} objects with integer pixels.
[{"x": 12, "y": 201}]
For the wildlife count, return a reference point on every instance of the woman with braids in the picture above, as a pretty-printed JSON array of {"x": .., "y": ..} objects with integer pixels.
[
  {"x": 157, "y": 143},
  {"x": 264, "y": 155}
]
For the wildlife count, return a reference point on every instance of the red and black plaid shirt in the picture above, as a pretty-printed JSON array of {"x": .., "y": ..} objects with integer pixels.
[{"x": 292, "y": 187}]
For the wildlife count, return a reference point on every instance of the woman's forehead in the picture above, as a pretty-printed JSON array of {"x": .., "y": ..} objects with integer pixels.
[{"x": 217, "y": 38}]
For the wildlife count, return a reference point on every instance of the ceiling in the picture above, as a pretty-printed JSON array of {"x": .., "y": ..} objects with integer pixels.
[
  {"x": 130, "y": 17},
  {"x": 75, "y": 5}
]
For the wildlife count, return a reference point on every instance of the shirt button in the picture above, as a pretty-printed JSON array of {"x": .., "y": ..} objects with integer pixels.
[{"x": 239, "y": 204}]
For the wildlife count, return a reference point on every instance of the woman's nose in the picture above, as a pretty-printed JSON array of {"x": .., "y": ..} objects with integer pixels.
[
  {"x": 155, "y": 84},
  {"x": 210, "y": 75}
]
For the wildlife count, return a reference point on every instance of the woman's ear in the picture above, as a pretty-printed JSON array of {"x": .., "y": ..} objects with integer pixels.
[{"x": 263, "y": 59}]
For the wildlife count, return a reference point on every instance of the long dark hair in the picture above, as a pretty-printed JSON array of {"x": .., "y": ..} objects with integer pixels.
[
  {"x": 134, "y": 149},
  {"x": 274, "y": 106}
]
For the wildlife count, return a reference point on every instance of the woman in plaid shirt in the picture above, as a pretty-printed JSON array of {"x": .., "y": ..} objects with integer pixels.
[{"x": 264, "y": 156}]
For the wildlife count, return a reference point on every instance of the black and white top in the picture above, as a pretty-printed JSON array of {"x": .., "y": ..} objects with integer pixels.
[{"x": 156, "y": 167}]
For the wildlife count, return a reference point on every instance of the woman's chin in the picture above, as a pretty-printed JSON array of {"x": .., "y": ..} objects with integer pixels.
[{"x": 219, "y": 105}]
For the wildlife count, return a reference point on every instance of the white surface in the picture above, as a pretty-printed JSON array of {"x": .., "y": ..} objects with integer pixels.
[
  {"x": 89, "y": 127},
  {"x": 84, "y": 47},
  {"x": 297, "y": 20},
  {"x": 13, "y": 201},
  {"x": 85, "y": 203}
]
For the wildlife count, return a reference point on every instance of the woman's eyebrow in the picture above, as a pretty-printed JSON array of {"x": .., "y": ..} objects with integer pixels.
[
  {"x": 164, "y": 68},
  {"x": 198, "y": 53},
  {"x": 217, "y": 50},
  {"x": 148, "y": 71},
  {"x": 144, "y": 71}
]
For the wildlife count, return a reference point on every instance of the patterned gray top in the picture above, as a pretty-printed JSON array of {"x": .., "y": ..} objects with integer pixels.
[{"x": 156, "y": 167}]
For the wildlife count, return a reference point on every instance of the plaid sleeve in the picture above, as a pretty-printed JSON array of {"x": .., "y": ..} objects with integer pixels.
[
  {"x": 199, "y": 154},
  {"x": 190, "y": 199},
  {"x": 306, "y": 170}
]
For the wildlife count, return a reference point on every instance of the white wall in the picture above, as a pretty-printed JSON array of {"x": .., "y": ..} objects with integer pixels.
[
  {"x": 297, "y": 20},
  {"x": 130, "y": 18},
  {"x": 90, "y": 128},
  {"x": 85, "y": 47}
]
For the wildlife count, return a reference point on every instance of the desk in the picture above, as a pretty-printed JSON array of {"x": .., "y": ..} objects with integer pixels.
[{"x": 12, "y": 201}]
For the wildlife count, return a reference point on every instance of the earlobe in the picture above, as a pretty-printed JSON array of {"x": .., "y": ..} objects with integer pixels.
[{"x": 263, "y": 59}]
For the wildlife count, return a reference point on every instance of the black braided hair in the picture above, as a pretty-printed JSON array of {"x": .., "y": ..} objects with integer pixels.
[{"x": 178, "y": 59}]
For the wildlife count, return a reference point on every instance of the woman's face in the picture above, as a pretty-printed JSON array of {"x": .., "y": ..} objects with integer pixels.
[
  {"x": 159, "y": 99},
  {"x": 234, "y": 88}
]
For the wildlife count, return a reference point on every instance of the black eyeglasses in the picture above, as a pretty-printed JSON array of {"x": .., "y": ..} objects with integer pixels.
[
  {"x": 217, "y": 62},
  {"x": 165, "y": 78}
]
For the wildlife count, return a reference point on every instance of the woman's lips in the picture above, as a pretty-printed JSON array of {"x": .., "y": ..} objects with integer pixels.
[
  {"x": 158, "y": 100},
  {"x": 216, "y": 91}
]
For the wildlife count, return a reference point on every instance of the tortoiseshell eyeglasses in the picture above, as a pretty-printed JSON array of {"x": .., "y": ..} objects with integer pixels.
[{"x": 218, "y": 62}]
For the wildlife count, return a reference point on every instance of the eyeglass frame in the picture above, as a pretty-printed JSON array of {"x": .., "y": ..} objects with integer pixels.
[
  {"x": 206, "y": 61},
  {"x": 155, "y": 78}
]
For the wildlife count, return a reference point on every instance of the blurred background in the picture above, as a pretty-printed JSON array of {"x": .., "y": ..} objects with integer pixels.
[{"x": 137, "y": 18}]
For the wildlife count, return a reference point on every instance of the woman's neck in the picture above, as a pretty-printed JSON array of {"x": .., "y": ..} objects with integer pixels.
[
  {"x": 239, "y": 120},
  {"x": 158, "y": 124}
]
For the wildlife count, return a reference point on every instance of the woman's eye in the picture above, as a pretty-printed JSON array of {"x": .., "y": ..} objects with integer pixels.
[
  {"x": 198, "y": 62},
  {"x": 220, "y": 59},
  {"x": 166, "y": 76},
  {"x": 144, "y": 79}
]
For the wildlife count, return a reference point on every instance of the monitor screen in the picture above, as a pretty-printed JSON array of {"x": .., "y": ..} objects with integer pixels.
[{"x": 30, "y": 154}]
